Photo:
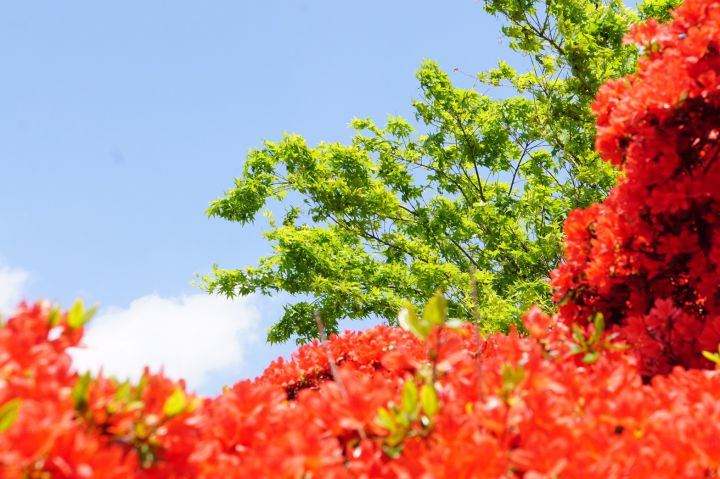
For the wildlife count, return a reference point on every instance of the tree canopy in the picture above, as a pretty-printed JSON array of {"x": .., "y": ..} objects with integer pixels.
[{"x": 470, "y": 200}]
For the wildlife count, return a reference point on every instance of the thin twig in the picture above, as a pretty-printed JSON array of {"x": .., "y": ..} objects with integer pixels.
[
  {"x": 479, "y": 337},
  {"x": 475, "y": 298},
  {"x": 331, "y": 359},
  {"x": 333, "y": 366}
]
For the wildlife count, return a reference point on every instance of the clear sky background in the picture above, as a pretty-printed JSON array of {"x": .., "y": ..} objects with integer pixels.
[{"x": 121, "y": 121}]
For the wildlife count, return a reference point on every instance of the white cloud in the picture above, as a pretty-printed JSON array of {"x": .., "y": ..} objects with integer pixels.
[
  {"x": 190, "y": 337},
  {"x": 12, "y": 282}
]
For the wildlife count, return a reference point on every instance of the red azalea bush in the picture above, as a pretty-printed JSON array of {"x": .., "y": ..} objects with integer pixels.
[
  {"x": 648, "y": 257},
  {"x": 55, "y": 423},
  {"x": 554, "y": 404},
  {"x": 436, "y": 399}
]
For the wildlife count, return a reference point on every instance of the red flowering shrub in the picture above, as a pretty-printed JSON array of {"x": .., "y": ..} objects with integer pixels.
[
  {"x": 554, "y": 404},
  {"x": 54, "y": 423},
  {"x": 382, "y": 351},
  {"x": 647, "y": 257},
  {"x": 435, "y": 399}
]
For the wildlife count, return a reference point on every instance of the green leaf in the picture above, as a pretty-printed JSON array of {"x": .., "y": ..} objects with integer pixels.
[
  {"x": 81, "y": 392},
  {"x": 140, "y": 387},
  {"x": 599, "y": 323},
  {"x": 386, "y": 419},
  {"x": 78, "y": 316},
  {"x": 54, "y": 316},
  {"x": 123, "y": 392},
  {"x": 590, "y": 357},
  {"x": 8, "y": 413},
  {"x": 409, "y": 321},
  {"x": 404, "y": 420},
  {"x": 429, "y": 400},
  {"x": 511, "y": 376},
  {"x": 714, "y": 357},
  {"x": 410, "y": 397},
  {"x": 395, "y": 439},
  {"x": 176, "y": 403},
  {"x": 435, "y": 311},
  {"x": 578, "y": 335}
]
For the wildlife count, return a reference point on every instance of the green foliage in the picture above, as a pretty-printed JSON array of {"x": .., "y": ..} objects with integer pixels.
[
  {"x": 8, "y": 413},
  {"x": 482, "y": 185},
  {"x": 78, "y": 316},
  {"x": 81, "y": 392},
  {"x": 712, "y": 357},
  {"x": 413, "y": 417},
  {"x": 434, "y": 314},
  {"x": 512, "y": 377},
  {"x": 176, "y": 403},
  {"x": 658, "y": 9},
  {"x": 590, "y": 346}
]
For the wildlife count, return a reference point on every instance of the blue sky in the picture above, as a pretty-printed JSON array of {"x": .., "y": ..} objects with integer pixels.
[{"x": 121, "y": 121}]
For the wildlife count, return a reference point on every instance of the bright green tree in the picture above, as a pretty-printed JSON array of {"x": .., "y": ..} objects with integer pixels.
[{"x": 470, "y": 202}]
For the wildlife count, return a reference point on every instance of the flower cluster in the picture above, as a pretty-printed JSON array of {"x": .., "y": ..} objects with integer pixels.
[
  {"x": 558, "y": 403},
  {"x": 648, "y": 257},
  {"x": 381, "y": 351},
  {"x": 578, "y": 397},
  {"x": 523, "y": 407},
  {"x": 55, "y": 423}
]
